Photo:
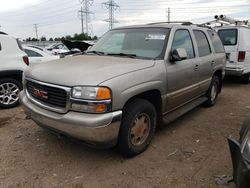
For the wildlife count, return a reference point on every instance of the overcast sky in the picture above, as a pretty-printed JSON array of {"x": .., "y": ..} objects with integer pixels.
[{"x": 57, "y": 18}]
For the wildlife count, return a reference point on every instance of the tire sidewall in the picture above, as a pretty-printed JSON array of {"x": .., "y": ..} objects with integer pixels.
[
  {"x": 215, "y": 80},
  {"x": 18, "y": 84},
  {"x": 133, "y": 110}
]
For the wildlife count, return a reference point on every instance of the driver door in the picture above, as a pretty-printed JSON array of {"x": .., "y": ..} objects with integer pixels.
[{"x": 182, "y": 86}]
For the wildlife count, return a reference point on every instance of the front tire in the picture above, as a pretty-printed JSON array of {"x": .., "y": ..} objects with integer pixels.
[
  {"x": 137, "y": 128},
  {"x": 9, "y": 92},
  {"x": 213, "y": 92}
]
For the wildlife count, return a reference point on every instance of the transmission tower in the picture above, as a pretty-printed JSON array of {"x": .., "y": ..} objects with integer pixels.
[
  {"x": 36, "y": 30},
  {"x": 85, "y": 14},
  {"x": 168, "y": 15},
  {"x": 112, "y": 7}
]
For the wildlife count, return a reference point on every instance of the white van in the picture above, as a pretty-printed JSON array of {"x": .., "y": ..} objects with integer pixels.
[
  {"x": 236, "y": 40},
  {"x": 235, "y": 35}
]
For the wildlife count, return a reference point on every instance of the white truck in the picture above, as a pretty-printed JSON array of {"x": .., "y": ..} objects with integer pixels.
[{"x": 235, "y": 35}]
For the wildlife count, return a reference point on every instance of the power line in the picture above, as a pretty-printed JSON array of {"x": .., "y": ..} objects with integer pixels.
[
  {"x": 112, "y": 7},
  {"x": 85, "y": 13}
]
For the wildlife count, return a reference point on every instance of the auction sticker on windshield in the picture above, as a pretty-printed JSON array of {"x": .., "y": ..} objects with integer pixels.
[{"x": 155, "y": 37}]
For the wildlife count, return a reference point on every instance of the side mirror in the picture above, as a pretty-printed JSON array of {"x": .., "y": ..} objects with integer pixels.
[{"x": 178, "y": 54}]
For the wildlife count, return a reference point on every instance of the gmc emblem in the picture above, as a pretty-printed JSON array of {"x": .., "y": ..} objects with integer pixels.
[{"x": 40, "y": 93}]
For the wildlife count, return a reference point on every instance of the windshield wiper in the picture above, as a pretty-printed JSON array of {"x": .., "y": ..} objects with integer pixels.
[
  {"x": 123, "y": 54},
  {"x": 95, "y": 52}
]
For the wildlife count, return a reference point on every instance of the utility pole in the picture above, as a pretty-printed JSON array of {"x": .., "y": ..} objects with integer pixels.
[
  {"x": 85, "y": 4},
  {"x": 168, "y": 15},
  {"x": 112, "y": 7},
  {"x": 36, "y": 30}
]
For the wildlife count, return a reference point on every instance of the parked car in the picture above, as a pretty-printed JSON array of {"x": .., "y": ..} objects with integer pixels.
[
  {"x": 37, "y": 56},
  {"x": 13, "y": 62},
  {"x": 39, "y": 48},
  {"x": 132, "y": 80},
  {"x": 235, "y": 38},
  {"x": 57, "y": 49},
  {"x": 240, "y": 154}
]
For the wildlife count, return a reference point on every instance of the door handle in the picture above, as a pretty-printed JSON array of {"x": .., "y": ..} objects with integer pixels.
[{"x": 196, "y": 67}]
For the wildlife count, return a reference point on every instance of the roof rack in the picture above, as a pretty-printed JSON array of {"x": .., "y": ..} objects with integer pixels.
[
  {"x": 2, "y": 33},
  {"x": 225, "y": 20}
]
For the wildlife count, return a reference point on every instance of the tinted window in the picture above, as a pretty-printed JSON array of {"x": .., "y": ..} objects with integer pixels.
[
  {"x": 182, "y": 39},
  {"x": 32, "y": 53},
  {"x": 228, "y": 36},
  {"x": 218, "y": 46},
  {"x": 202, "y": 42}
]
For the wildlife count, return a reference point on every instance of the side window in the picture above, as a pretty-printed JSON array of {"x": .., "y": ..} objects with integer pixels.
[
  {"x": 202, "y": 42},
  {"x": 32, "y": 53},
  {"x": 218, "y": 46},
  {"x": 0, "y": 47},
  {"x": 182, "y": 39}
]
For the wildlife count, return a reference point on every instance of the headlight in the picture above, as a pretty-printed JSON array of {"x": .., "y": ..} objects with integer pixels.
[
  {"x": 91, "y": 99},
  {"x": 91, "y": 93},
  {"x": 246, "y": 150}
]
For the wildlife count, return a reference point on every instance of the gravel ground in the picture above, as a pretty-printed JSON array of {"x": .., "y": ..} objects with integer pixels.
[{"x": 189, "y": 152}]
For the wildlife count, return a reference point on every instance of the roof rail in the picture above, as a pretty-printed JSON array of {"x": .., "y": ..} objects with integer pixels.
[
  {"x": 177, "y": 22},
  {"x": 183, "y": 23},
  {"x": 2, "y": 33}
]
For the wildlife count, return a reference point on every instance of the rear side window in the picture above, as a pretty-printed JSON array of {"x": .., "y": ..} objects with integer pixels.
[
  {"x": 228, "y": 36},
  {"x": 218, "y": 46},
  {"x": 32, "y": 53},
  {"x": 182, "y": 39},
  {"x": 19, "y": 44},
  {"x": 202, "y": 42}
]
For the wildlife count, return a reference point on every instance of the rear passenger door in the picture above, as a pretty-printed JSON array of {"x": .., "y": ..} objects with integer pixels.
[
  {"x": 204, "y": 68},
  {"x": 182, "y": 86}
]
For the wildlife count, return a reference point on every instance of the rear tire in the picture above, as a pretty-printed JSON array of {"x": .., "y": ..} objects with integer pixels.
[
  {"x": 137, "y": 128},
  {"x": 213, "y": 92},
  {"x": 9, "y": 92},
  {"x": 246, "y": 78}
]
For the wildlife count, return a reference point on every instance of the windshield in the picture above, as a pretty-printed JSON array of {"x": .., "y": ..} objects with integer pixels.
[
  {"x": 228, "y": 36},
  {"x": 146, "y": 43}
]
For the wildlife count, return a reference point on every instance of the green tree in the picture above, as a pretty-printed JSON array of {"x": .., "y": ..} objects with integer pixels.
[{"x": 43, "y": 38}]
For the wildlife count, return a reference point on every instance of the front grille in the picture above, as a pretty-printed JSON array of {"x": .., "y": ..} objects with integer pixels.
[{"x": 47, "y": 95}]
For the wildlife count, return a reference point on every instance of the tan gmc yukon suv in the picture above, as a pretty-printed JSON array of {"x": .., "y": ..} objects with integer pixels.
[{"x": 131, "y": 81}]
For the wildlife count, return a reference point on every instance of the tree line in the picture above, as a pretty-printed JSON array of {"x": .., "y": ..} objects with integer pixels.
[{"x": 75, "y": 37}]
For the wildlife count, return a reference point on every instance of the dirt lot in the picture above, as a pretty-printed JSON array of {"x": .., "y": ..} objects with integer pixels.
[{"x": 187, "y": 153}]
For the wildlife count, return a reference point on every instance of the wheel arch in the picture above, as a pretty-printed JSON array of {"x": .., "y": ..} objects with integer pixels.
[
  {"x": 14, "y": 74},
  {"x": 152, "y": 96}
]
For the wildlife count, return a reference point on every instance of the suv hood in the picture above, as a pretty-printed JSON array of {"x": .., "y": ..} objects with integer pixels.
[{"x": 85, "y": 69}]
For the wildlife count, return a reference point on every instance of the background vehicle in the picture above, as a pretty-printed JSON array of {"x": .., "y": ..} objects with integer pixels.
[
  {"x": 57, "y": 49},
  {"x": 235, "y": 36},
  {"x": 37, "y": 56},
  {"x": 240, "y": 153},
  {"x": 130, "y": 81},
  {"x": 13, "y": 61}
]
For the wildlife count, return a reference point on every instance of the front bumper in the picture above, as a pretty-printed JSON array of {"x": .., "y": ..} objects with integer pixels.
[
  {"x": 241, "y": 168},
  {"x": 97, "y": 130}
]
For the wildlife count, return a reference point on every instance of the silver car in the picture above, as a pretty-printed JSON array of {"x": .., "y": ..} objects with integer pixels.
[{"x": 133, "y": 80}]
